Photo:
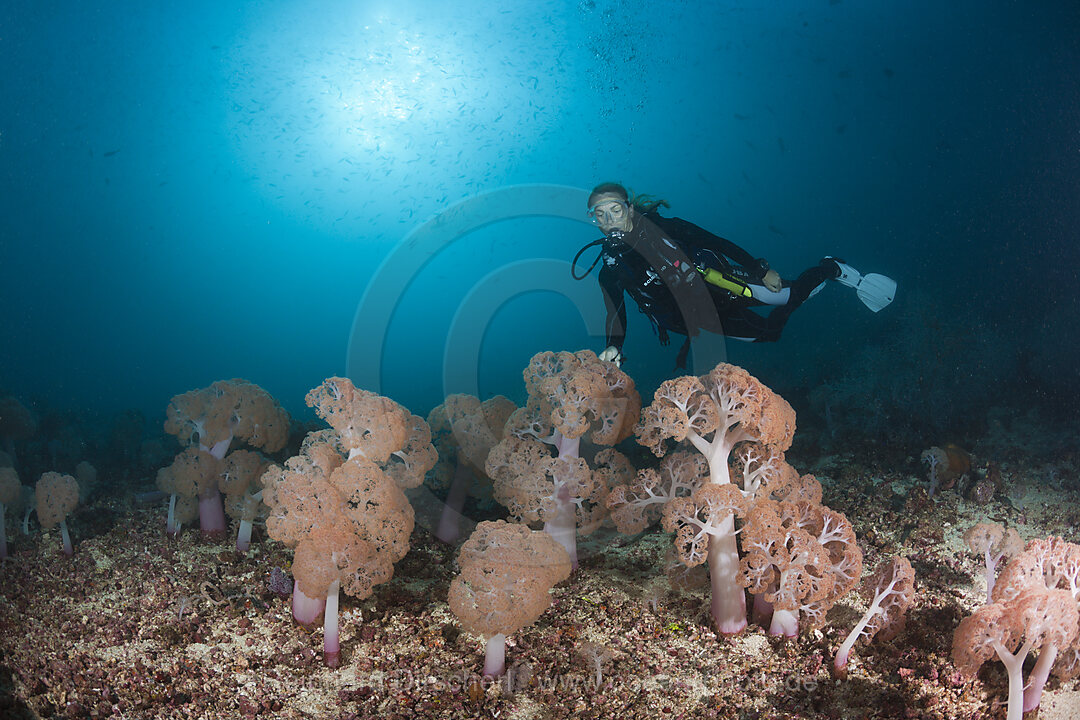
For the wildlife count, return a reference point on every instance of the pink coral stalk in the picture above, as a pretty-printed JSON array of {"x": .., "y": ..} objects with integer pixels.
[
  {"x": 212, "y": 515},
  {"x": 331, "y": 640},
  {"x": 65, "y": 538},
  {"x": 1039, "y": 675},
  {"x": 784, "y": 623},
  {"x": 449, "y": 528},
  {"x": 762, "y": 610},
  {"x": 1014, "y": 666},
  {"x": 563, "y": 526},
  {"x": 243, "y": 536},
  {"x": 495, "y": 655},
  {"x": 306, "y": 610},
  {"x": 728, "y": 599},
  {"x": 171, "y": 528}
]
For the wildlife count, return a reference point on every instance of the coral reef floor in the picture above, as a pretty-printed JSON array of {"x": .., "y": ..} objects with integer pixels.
[{"x": 136, "y": 625}]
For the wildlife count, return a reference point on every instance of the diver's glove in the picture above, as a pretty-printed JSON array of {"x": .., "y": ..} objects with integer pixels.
[
  {"x": 612, "y": 354},
  {"x": 771, "y": 279}
]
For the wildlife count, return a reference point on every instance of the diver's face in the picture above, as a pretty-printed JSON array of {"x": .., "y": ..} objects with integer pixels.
[{"x": 611, "y": 213}]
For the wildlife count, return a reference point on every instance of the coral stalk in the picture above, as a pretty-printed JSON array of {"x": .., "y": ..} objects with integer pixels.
[
  {"x": 728, "y": 599},
  {"x": 306, "y": 610},
  {"x": 331, "y": 640},
  {"x": 495, "y": 655}
]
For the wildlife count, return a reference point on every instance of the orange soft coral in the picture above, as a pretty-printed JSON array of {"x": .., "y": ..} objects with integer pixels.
[
  {"x": 192, "y": 478},
  {"x": 227, "y": 409},
  {"x": 210, "y": 419},
  {"x": 572, "y": 397},
  {"x": 239, "y": 481},
  {"x": 638, "y": 502},
  {"x": 1034, "y": 608},
  {"x": 889, "y": 590},
  {"x": 800, "y": 558},
  {"x": 367, "y": 423},
  {"x": 993, "y": 543},
  {"x": 578, "y": 395},
  {"x": 340, "y": 502},
  {"x": 715, "y": 413},
  {"x": 376, "y": 428},
  {"x": 57, "y": 495},
  {"x": 507, "y": 571},
  {"x": 560, "y": 492}
]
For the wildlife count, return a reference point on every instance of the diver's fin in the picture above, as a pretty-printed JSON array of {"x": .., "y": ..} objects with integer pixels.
[{"x": 876, "y": 291}]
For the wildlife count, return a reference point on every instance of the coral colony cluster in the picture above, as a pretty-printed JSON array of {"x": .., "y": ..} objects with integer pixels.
[{"x": 762, "y": 580}]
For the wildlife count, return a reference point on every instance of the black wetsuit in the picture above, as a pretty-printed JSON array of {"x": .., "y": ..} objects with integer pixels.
[{"x": 656, "y": 265}]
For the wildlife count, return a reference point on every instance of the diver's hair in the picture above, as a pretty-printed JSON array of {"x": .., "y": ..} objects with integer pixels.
[
  {"x": 606, "y": 188},
  {"x": 648, "y": 203},
  {"x": 642, "y": 202}
]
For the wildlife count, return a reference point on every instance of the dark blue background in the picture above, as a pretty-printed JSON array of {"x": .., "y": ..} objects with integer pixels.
[{"x": 203, "y": 190}]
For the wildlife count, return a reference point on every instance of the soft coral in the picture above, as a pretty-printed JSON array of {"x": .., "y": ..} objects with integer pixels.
[
  {"x": 572, "y": 397},
  {"x": 209, "y": 419},
  {"x": 340, "y": 502},
  {"x": 715, "y": 412},
  {"x": 889, "y": 590},
  {"x": 507, "y": 571},
  {"x": 1034, "y": 608}
]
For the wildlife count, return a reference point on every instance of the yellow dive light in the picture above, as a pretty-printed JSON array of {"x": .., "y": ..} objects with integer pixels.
[{"x": 720, "y": 280}]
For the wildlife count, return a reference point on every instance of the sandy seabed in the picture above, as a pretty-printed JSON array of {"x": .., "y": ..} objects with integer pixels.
[{"x": 139, "y": 626}]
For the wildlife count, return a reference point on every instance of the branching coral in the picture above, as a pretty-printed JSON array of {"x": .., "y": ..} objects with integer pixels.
[
  {"x": 572, "y": 397},
  {"x": 890, "y": 590},
  {"x": 714, "y": 413},
  {"x": 993, "y": 543},
  {"x": 638, "y": 502},
  {"x": 799, "y": 559},
  {"x": 1035, "y": 607}
]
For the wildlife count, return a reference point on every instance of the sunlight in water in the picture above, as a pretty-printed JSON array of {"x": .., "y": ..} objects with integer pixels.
[{"x": 402, "y": 78}]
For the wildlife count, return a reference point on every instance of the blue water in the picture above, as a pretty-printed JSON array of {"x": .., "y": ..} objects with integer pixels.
[{"x": 204, "y": 190}]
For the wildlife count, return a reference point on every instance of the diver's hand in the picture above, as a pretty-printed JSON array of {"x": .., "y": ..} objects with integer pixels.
[
  {"x": 612, "y": 354},
  {"x": 772, "y": 281}
]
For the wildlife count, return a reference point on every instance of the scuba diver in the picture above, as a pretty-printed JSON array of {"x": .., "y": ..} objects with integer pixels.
[{"x": 686, "y": 280}]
